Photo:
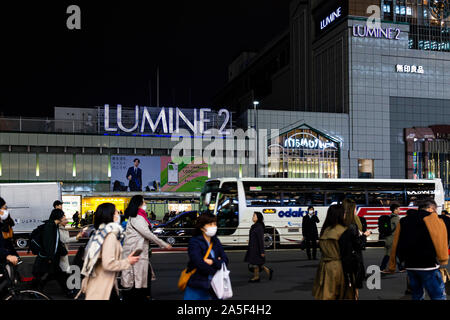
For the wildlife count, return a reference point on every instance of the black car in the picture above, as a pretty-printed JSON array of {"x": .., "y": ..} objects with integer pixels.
[{"x": 178, "y": 230}]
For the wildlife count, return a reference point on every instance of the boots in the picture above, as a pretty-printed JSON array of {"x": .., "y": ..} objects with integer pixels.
[{"x": 256, "y": 275}]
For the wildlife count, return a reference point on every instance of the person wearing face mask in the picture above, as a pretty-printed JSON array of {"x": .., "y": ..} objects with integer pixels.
[
  {"x": 103, "y": 259},
  {"x": 310, "y": 234},
  {"x": 7, "y": 251},
  {"x": 199, "y": 284},
  {"x": 6, "y": 226},
  {"x": 137, "y": 279}
]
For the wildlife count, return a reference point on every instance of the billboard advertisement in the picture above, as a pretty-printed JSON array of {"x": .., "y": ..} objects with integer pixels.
[
  {"x": 135, "y": 173},
  {"x": 71, "y": 204},
  {"x": 182, "y": 176}
]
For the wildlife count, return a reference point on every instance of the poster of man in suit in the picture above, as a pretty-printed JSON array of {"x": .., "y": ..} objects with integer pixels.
[{"x": 135, "y": 174}]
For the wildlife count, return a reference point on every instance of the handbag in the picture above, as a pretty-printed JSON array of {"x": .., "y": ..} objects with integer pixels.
[
  {"x": 221, "y": 283},
  {"x": 186, "y": 275},
  {"x": 8, "y": 234}
]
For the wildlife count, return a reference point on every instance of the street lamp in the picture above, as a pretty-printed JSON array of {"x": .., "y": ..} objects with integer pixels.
[{"x": 255, "y": 103}]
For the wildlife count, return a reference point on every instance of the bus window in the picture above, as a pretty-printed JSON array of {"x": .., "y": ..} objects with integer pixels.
[
  {"x": 228, "y": 210},
  {"x": 209, "y": 187},
  {"x": 385, "y": 199},
  {"x": 419, "y": 192},
  {"x": 303, "y": 199},
  {"x": 263, "y": 198},
  {"x": 337, "y": 197}
]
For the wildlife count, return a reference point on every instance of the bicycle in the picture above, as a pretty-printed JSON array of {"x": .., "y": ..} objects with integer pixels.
[{"x": 9, "y": 286}]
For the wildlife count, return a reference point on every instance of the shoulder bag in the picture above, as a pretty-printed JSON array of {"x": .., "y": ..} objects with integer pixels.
[{"x": 185, "y": 275}]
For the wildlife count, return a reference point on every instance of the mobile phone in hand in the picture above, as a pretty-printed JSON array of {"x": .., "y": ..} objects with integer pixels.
[{"x": 137, "y": 253}]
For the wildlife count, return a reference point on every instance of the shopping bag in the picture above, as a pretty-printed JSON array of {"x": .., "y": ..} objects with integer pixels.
[{"x": 221, "y": 283}]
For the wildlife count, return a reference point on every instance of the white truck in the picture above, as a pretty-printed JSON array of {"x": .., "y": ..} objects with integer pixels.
[{"x": 29, "y": 205}]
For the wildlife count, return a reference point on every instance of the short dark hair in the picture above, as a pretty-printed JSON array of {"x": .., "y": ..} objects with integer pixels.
[
  {"x": 104, "y": 214},
  {"x": 57, "y": 203},
  {"x": 426, "y": 204},
  {"x": 202, "y": 220},
  {"x": 133, "y": 206},
  {"x": 2, "y": 202},
  {"x": 444, "y": 212},
  {"x": 260, "y": 218},
  {"x": 394, "y": 206},
  {"x": 56, "y": 214},
  {"x": 310, "y": 207},
  {"x": 137, "y": 160},
  {"x": 411, "y": 211}
]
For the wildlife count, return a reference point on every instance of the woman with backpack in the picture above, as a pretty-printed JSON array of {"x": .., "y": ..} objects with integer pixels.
[
  {"x": 206, "y": 255},
  {"x": 103, "y": 260},
  {"x": 138, "y": 235},
  {"x": 255, "y": 255}
]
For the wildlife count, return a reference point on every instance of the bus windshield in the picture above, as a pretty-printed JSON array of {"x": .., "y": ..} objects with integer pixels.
[{"x": 209, "y": 187}]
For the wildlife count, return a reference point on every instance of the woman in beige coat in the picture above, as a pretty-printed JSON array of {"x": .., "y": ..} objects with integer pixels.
[
  {"x": 330, "y": 282},
  {"x": 137, "y": 279},
  {"x": 103, "y": 260}
]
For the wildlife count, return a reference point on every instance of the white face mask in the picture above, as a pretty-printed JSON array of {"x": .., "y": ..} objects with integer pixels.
[
  {"x": 211, "y": 231},
  {"x": 5, "y": 215},
  {"x": 144, "y": 207},
  {"x": 311, "y": 212}
]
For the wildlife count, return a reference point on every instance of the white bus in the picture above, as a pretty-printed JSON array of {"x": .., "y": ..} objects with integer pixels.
[{"x": 283, "y": 202}]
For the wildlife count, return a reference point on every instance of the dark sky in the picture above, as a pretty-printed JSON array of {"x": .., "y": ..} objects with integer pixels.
[{"x": 116, "y": 52}]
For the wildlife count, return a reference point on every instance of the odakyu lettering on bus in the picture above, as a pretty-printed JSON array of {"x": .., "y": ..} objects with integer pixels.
[{"x": 294, "y": 213}]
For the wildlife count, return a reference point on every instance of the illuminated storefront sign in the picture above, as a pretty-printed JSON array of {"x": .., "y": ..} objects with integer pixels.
[
  {"x": 403, "y": 68},
  {"x": 331, "y": 18},
  {"x": 309, "y": 143},
  {"x": 168, "y": 120},
  {"x": 380, "y": 33}
]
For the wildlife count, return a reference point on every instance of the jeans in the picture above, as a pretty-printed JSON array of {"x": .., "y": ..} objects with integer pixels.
[{"x": 431, "y": 281}]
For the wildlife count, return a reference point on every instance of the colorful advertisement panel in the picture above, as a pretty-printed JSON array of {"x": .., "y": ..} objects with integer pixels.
[
  {"x": 183, "y": 176},
  {"x": 71, "y": 204}
]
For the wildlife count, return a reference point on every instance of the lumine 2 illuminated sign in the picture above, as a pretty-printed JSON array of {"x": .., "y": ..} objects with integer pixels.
[
  {"x": 168, "y": 120},
  {"x": 386, "y": 33}
]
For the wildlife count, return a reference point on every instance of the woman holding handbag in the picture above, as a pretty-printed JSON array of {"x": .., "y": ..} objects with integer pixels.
[
  {"x": 206, "y": 256},
  {"x": 138, "y": 236}
]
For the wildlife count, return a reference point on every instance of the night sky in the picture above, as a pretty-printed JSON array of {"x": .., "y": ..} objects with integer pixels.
[{"x": 116, "y": 53}]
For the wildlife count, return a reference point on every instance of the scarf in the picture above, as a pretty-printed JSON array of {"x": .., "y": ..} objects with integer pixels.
[
  {"x": 143, "y": 214},
  {"x": 94, "y": 246}
]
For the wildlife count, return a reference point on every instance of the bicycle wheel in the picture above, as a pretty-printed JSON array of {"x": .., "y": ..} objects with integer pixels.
[{"x": 27, "y": 295}]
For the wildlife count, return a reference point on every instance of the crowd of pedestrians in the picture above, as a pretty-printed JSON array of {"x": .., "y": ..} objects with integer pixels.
[{"x": 119, "y": 249}]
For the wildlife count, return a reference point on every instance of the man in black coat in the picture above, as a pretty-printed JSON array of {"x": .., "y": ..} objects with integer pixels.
[
  {"x": 46, "y": 266},
  {"x": 310, "y": 234}
]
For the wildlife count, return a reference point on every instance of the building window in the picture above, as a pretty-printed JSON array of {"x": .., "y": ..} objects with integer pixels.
[{"x": 365, "y": 168}]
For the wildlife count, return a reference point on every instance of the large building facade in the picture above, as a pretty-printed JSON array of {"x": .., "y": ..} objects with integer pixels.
[{"x": 358, "y": 84}]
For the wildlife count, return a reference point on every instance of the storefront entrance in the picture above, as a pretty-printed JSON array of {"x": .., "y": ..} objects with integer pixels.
[{"x": 304, "y": 152}]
